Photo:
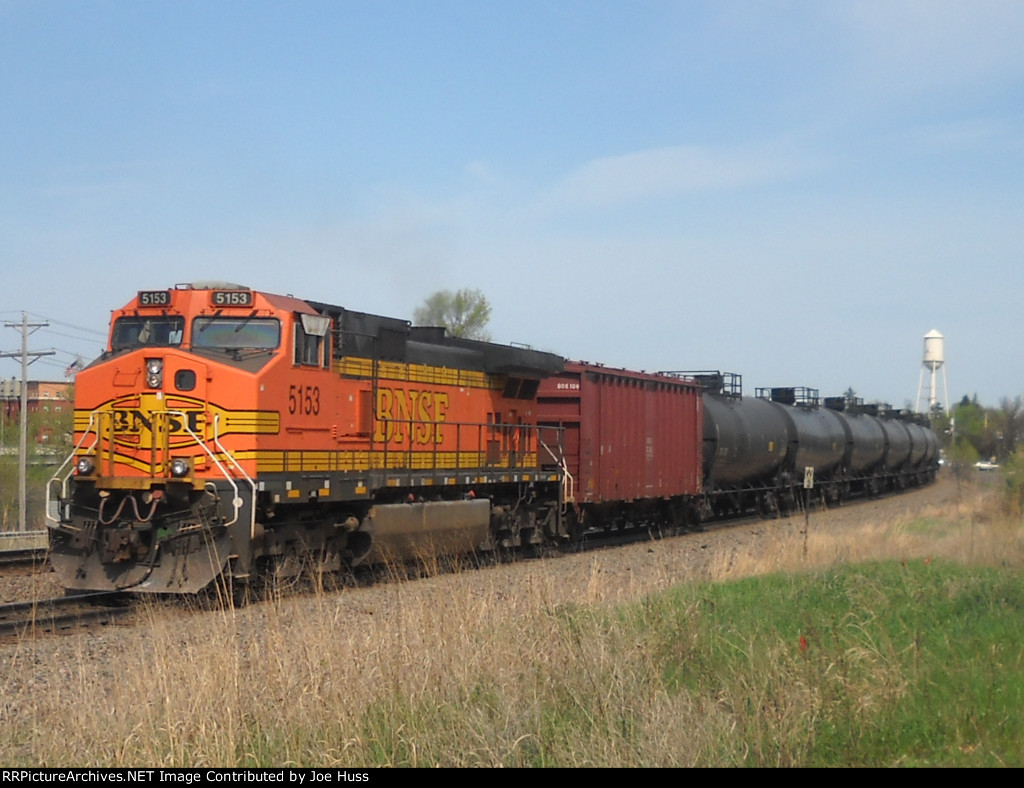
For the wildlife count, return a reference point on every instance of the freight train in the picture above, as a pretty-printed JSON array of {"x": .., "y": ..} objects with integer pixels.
[{"x": 230, "y": 434}]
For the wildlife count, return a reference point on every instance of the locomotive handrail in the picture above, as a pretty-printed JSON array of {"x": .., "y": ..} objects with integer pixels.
[
  {"x": 521, "y": 442},
  {"x": 94, "y": 418},
  {"x": 70, "y": 457},
  {"x": 236, "y": 502},
  {"x": 241, "y": 470},
  {"x": 568, "y": 481}
]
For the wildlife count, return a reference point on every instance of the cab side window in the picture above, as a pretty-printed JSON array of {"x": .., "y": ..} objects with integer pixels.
[{"x": 312, "y": 341}]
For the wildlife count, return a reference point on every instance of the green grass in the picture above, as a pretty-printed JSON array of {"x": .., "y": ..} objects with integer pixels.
[
  {"x": 874, "y": 665},
  {"x": 935, "y": 526}
]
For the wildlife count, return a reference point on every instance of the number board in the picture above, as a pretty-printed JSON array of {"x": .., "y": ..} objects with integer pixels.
[
  {"x": 231, "y": 298},
  {"x": 154, "y": 298}
]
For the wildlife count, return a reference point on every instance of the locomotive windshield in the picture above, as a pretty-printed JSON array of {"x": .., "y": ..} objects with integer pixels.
[
  {"x": 130, "y": 332},
  {"x": 235, "y": 333}
]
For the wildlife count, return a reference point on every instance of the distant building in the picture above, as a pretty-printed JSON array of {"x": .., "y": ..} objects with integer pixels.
[{"x": 43, "y": 396}]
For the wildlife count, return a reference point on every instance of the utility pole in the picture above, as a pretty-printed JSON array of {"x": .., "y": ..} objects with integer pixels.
[{"x": 24, "y": 325}]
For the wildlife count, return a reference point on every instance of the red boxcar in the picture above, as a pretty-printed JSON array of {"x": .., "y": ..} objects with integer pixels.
[{"x": 627, "y": 437}]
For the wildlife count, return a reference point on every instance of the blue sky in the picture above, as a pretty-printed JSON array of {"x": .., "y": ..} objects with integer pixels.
[{"x": 797, "y": 191}]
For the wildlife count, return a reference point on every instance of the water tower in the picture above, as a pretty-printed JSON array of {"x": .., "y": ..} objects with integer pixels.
[{"x": 934, "y": 360}]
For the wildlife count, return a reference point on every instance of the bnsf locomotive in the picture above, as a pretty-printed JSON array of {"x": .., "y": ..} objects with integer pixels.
[
  {"x": 225, "y": 429},
  {"x": 228, "y": 433}
]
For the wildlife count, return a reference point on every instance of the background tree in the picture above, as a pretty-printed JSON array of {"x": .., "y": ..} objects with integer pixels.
[
  {"x": 961, "y": 457},
  {"x": 976, "y": 425},
  {"x": 464, "y": 313},
  {"x": 1011, "y": 424}
]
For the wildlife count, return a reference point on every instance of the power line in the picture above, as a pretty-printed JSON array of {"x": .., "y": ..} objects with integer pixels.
[
  {"x": 87, "y": 342},
  {"x": 92, "y": 331},
  {"x": 68, "y": 336}
]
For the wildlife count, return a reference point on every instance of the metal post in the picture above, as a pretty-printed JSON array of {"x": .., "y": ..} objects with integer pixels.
[
  {"x": 23, "y": 441},
  {"x": 808, "y": 486}
]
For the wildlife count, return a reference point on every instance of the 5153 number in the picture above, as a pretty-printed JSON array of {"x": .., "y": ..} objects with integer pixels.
[{"x": 304, "y": 400}]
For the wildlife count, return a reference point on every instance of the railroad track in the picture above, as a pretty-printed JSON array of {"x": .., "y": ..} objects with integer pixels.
[
  {"x": 23, "y": 551},
  {"x": 61, "y": 615},
  {"x": 30, "y": 557}
]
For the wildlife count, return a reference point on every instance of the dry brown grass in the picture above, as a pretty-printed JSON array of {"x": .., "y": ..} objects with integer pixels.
[
  {"x": 973, "y": 527},
  {"x": 441, "y": 671}
]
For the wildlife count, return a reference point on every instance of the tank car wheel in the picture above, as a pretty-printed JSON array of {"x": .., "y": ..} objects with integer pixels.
[
  {"x": 788, "y": 502},
  {"x": 694, "y": 520},
  {"x": 767, "y": 506},
  {"x": 672, "y": 518}
]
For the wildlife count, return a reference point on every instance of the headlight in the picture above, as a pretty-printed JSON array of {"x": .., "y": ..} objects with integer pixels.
[
  {"x": 85, "y": 466},
  {"x": 180, "y": 468},
  {"x": 154, "y": 372}
]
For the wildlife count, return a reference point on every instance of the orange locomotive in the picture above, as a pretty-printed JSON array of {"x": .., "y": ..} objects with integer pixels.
[{"x": 225, "y": 431}]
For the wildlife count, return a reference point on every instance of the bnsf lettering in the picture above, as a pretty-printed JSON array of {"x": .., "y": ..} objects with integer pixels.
[
  {"x": 420, "y": 413},
  {"x": 135, "y": 422}
]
